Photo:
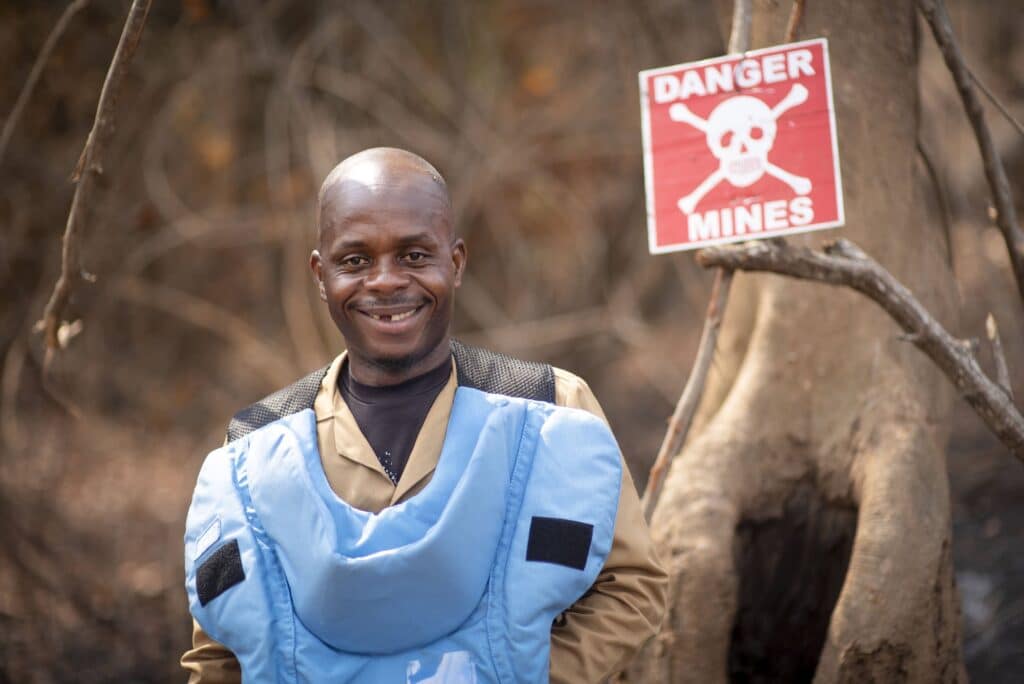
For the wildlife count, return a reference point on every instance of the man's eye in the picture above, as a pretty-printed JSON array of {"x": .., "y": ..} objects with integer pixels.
[
  {"x": 415, "y": 256},
  {"x": 354, "y": 261}
]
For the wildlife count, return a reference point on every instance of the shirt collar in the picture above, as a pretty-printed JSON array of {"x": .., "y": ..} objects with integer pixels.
[{"x": 350, "y": 443}]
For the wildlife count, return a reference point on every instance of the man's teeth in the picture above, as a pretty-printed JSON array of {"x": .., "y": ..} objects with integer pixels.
[{"x": 394, "y": 317}]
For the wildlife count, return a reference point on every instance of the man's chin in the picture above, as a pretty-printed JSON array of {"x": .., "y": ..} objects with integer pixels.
[
  {"x": 394, "y": 358},
  {"x": 395, "y": 354},
  {"x": 394, "y": 364}
]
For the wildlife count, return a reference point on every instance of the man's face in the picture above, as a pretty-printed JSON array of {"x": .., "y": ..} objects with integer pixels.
[{"x": 388, "y": 265}]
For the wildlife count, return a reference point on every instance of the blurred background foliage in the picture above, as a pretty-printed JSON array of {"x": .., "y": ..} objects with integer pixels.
[{"x": 199, "y": 238}]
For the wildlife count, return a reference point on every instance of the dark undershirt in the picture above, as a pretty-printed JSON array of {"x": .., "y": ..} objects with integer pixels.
[{"x": 391, "y": 417}]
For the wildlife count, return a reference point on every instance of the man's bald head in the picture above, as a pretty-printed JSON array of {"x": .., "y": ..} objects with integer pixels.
[{"x": 382, "y": 179}]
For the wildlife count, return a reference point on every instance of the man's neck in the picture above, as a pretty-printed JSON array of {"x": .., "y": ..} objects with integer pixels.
[
  {"x": 375, "y": 374},
  {"x": 430, "y": 382}
]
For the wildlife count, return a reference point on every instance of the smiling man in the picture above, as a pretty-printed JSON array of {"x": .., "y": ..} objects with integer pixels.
[
  {"x": 418, "y": 510},
  {"x": 388, "y": 264}
]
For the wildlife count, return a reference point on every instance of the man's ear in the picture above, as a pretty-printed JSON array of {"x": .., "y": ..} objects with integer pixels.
[
  {"x": 459, "y": 259},
  {"x": 316, "y": 266}
]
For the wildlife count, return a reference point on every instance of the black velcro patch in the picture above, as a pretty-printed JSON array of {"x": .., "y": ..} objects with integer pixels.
[
  {"x": 218, "y": 573},
  {"x": 559, "y": 541}
]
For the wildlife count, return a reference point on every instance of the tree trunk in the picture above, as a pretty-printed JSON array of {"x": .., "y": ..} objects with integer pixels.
[{"x": 806, "y": 526}]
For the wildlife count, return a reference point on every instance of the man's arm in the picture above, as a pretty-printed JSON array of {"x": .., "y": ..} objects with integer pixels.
[
  {"x": 600, "y": 633},
  {"x": 208, "y": 662}
]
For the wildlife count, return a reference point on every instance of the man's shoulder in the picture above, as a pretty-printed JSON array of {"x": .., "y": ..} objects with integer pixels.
[
  {"x": 561, "y": 387},
  {"x": 568, "y": 381},
  {"x": 284, "y": 402},
  {"x": 497, "y": 373},
  {"x": 573, "y": 391},
  {"x": 478, "y": 368}
]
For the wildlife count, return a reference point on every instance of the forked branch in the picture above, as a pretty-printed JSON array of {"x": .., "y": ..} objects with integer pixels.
[
  {"x": 89, "y": 167},
  {"x": 843, "y": 263},
  {"x": 934, "y": 12}
]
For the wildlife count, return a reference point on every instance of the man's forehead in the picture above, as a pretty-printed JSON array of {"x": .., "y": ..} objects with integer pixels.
[{"x": 382, "y": 196}]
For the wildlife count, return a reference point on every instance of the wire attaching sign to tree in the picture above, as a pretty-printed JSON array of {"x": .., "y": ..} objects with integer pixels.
[{"x": 740, "y": 147}]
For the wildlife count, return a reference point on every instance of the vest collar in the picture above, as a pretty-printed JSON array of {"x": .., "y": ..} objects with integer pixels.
[{"x": 404, "y": 577}]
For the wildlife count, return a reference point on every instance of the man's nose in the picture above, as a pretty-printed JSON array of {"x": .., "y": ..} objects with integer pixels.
[{"x": 386, "y": 277}]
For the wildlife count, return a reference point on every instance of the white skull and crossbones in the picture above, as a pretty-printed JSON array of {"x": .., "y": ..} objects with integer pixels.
[{"x": 740, "y": 133}]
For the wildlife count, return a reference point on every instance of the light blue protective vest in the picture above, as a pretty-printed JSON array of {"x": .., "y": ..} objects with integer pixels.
[{"x": 460, "y": 583}]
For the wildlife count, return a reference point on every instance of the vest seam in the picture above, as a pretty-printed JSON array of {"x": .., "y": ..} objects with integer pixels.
[
  {"x": 192, "y": 561},
  {"x": 272, "y": 573},
  {"x": 518, "y": 479}
]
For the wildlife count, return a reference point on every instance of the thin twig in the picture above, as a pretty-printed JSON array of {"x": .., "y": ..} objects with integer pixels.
[
  {"x": 89, "y": 167},
  {"x": 843, "y": 263},
  {"x": 37, "y": 71},
  {"x": 1002, "y": 369},
  {"x": 1006, "y": 214},
  {"x": 996, "y": 102},
  {"x": 795, "y": 15},
  {"x": 682, "y": 417}
]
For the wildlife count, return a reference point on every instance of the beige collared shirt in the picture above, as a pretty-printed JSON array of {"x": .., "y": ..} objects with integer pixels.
[{"x": 595, "y": 638}]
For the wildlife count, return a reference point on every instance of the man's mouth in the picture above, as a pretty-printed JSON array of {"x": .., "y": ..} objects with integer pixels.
[
  {"x": 394, "y": 318},
  {"x": 391, "y": 314}
]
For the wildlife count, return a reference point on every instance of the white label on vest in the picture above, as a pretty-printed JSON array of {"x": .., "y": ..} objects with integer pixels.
[
  {"x": 208, "y": 538},
  {"x": 454, "y": 667}
]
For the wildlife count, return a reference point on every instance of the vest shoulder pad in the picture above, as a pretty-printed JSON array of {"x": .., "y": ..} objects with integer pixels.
[
  {"x": 295, "y": 397},
  {"x": 496, "y": 373},
  {"x": 477, "y": 368}
]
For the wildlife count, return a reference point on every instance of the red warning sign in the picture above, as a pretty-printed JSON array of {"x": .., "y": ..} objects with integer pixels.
[{"x": 740, "y": 147}]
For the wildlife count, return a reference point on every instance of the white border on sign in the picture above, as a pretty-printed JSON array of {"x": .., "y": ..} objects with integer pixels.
[
  {"x": 840, "y": 208},
  {"x": 645, "y": 132}
]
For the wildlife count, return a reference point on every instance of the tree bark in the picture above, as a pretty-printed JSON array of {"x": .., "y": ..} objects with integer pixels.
[{"x": 806, "y": 525}]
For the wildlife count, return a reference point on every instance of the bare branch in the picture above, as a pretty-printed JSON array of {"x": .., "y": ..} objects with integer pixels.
[
  {"x": 37, "y": 71},
  {"x": 1006, "y": 214},
  {"x": 795, "y": 15},
  {"x": 1002, "y": 369},
  {"x": 89, "y": 167},
  {"x": 682, "y": 417},
  {"x": 843, "y": 263},
  {"x": 739, "y": 36}
]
